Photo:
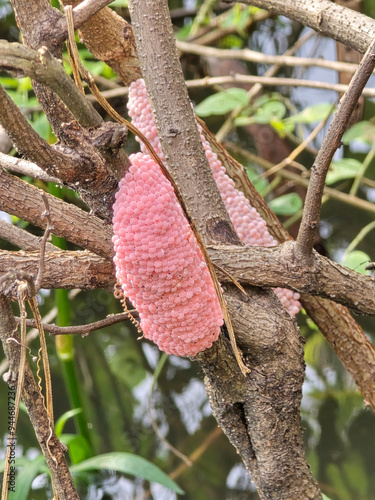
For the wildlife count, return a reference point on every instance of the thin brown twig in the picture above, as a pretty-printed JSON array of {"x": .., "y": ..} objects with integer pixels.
[
  {"x": 271, "y": 81},
  {"x": 83, "y": 329},
  {"x": 227, "y": 125},
  {"x": 302, "y": 179},
  {"x": 332, "y": 141},
  {"x": 47, "y": 232},
  {"x": 293, "y": 155}
]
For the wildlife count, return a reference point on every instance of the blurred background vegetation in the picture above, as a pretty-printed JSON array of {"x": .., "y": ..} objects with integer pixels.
[{"x": 114, "y": 393}]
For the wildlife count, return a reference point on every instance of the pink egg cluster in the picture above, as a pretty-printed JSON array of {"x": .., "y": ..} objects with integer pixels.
[
  {"x": 159, "y": 264},
  {"x": 250, "y": 226}
]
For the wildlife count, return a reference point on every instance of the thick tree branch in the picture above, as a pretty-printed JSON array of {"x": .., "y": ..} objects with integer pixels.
[
  {"x": 50, "y": 445},
  {"x": 344, "y": 335},
  {"x": 110, "y": 39},
  {"x": 29, "y": 142},
  {"x": 280, "y": 267},
  {"x": 81, "y": 14},
  {"x": 328, "y": 18},
  {"x": 261, "y": 325},
  {"x": 311, "y": 212},
  {"x": 42, "y": 67},
  {"x": 62, "y": 269},
  {"x": 21, "y": 238},
  {"x": 70, "y": 222}
]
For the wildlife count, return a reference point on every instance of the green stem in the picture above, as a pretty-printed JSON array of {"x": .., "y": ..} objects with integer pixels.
[
  {"x": 65, "y": 347},
  {"x": 360, "y": 236},
  {"x": 366, "y": 162}
]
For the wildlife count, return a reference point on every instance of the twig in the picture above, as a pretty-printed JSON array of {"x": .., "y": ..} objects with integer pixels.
[
  {"x": 258, "y": 57},
  {"x": 83, "y": 329},
  {"x": 272, "y": 81},
  {"x": 25, "y": 167},
  {"x": 81, "y": 14},
  {"x": 311, "y": 212},
  {"x": 293, "y": 155},
  {"x": 224, "y": 129},
  {"x": 47, "y": 232},
  {"x": 302, "y": 180},
  {"x": 198, "y": 452}
]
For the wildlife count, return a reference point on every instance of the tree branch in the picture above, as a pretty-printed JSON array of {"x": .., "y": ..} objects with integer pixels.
[
  {"x": 62, "y": 269},
  {"x": 311, "y": 212},
  {"x": 279, "y": 267},
  {"x": 110, "y": 39},
  {"x": 29, "y": 142},
  {"x": 81, "y": 14},
  {"x": 21, "y": 238},
  {"x": 85, "y": 330},
  {"x": 50, "y": 445},
  {"x": 42, "y": 67},
  {"x": 344, "y": 335},
  {"x": 24, "y": 167},
  {"x": 70, "y": 222},
  {"x": 272, "y": 391},
  {"x": 328, "y": 18}
]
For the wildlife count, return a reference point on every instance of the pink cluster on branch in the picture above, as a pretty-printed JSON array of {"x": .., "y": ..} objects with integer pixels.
[
  {"x": 159, "y": 264},
  {"x": 250, "y": 226}
]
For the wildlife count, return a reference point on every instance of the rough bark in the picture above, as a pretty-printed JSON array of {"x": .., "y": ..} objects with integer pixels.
[
  {"x": 25, "y": 201},
  {"x": 252, "y": 411},
  {"x": 63, "y": 269},
  {"x": 50, "y": 445},
  {"x": 327, "y": 18},
  {"x": 110, "y": 39}
]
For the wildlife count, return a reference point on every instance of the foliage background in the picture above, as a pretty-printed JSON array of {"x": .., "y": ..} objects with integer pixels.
[{"x": 116, "y": 378}]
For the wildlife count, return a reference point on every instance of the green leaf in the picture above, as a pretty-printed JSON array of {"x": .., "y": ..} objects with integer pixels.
[
  {"x": 361, "y": 131},
  {"x": 128, "y": 463},
  {"x": 79, "y": 449},
  {"x": 312, "y": 114},
  {"x": 357, "y": 260},
  {"x": 325, "y": 497},
  {"x": 287, "y": 204},
  {"x": 260, "y": 183},
  {"x": 272, "y": 110},
  {"x": 59, "y": 426},
  {"x": 26, "y": 476},
  {"x": 346, "y": 168},
  {"x": 222, "y": 102}
]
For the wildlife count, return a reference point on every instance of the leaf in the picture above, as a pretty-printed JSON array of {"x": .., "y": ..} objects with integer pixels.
[
  {"x": 26, "y": 476},
  {"x": 357, "y": 260},
  {"x": 287, "y": 204},
  {"x": 325, "y": 497},
  {"x": 272, "y": 110},
  {"x": 362, "y": 131},
  {"x": 127, "y": 463},
  {"x": 59, "y": 426},
  {"x": 79, "y": 449},
  {"x": 260, "y": 183},
  {"x": 312, "y": 114},
  {"x": 346, "y": 168},
  {"x": 222, "y": 102}
]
